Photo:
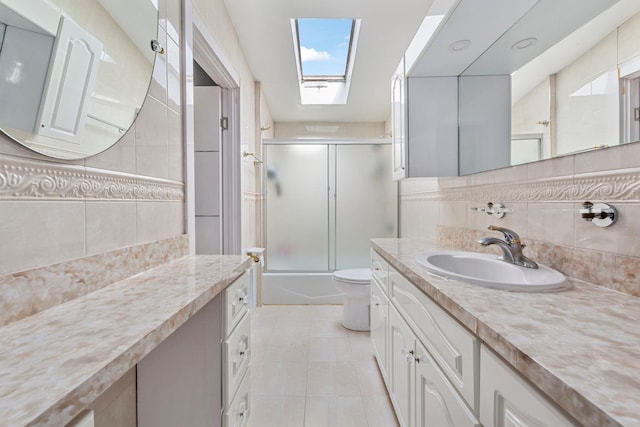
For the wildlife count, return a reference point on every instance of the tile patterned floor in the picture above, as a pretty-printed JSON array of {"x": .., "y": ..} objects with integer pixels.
[{"x": 309, "y": 371}]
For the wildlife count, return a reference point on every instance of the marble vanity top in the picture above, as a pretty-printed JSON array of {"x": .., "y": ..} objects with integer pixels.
[
  {"x": 581, "y": 346},
  {"x": 55, "y": 363}
]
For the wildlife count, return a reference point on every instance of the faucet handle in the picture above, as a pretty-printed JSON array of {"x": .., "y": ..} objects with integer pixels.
[{"x": 510, "y": 236}]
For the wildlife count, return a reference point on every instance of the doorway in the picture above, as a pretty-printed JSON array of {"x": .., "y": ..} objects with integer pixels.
[{"x": 214, "y": 217}]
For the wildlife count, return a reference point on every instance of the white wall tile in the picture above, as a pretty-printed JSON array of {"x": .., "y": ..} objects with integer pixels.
[
  {"x": 175, "y": 146},
  {"x": 158, "y": 86},
  {"x": 153, "y": 221},
  {"x": 552, "y": 222},
  {"x": 152, "y": 140},
  {"x": 37, "y": 233},
  {"x": 119, "y": 157},
  {"x": 110, "y": 225},
  {"x": 172, "y": 53}
]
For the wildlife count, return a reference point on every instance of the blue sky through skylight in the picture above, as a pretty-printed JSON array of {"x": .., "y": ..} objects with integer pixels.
[{"x": 324, "y": 46}]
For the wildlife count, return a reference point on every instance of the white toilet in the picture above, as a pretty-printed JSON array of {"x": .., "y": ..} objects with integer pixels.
[{"x": 355, "y": 284}]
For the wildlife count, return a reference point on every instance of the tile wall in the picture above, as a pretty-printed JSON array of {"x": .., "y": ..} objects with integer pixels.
[
  {"x": 545, "y": 197},
  {"x": 60, "y": 218}
]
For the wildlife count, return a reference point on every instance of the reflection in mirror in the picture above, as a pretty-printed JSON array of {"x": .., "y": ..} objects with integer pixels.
[
  {"x": 584, "y": 92},
  {"x": 74, "y": 73}
]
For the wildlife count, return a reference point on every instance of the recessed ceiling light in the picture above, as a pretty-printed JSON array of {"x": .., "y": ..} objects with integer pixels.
[
  {"x": 459, "y": 46},
  {"x": 524, "y": 43}
]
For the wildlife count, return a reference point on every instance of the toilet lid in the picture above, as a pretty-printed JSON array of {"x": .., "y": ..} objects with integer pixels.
[{"x": 360, "y": 276}]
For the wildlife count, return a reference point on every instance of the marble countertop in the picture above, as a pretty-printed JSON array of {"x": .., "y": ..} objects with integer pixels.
[
  {"x": 55, "y": 363},
  {"x": 581, "y": 346}
]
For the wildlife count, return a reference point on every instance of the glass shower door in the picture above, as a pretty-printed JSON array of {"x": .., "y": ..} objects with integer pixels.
[
  {"x": 366, "y": 204},
  {"x": 297, "y": 208}
]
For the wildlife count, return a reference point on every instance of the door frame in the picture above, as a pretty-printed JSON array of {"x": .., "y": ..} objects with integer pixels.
[{"x": 199, "y": 44}]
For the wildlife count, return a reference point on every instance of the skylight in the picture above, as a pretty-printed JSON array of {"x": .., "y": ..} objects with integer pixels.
[{"x": 324, "y": 49}]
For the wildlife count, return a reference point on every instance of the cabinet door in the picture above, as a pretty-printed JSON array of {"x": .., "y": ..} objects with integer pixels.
[
  {"x": 238, "y": 412},
  {"x": 507, "y": 400},
  {"x": 455, "y": 349},
  {"x": 236, "y": 356},
  {"x": 72, "y": 77},
  {"x": 438, "y": 404},
  {"x": 236, "y": 302},
  {"x": 401, "y": 368},
  {"x": 398, "y": 122},
  {"x": 379, "y": 326}
]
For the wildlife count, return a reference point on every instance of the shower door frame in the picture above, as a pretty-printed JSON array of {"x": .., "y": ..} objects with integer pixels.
[{"x": 331, "y": 193}]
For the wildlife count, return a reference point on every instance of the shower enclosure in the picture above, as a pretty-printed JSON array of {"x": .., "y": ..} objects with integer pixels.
[{"x": 324, "y": 201}]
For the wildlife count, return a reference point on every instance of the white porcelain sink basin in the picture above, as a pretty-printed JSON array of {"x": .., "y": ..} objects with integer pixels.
[{"x": 489, "y": 271}]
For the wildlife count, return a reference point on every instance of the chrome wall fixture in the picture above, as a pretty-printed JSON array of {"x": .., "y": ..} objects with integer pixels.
[
  {"x": 599, "y": 214},
  {"x": 496, "y": 209},
  {"x": 256, "y": 160}
]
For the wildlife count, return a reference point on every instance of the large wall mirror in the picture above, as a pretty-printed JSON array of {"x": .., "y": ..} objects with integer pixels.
[
  {"x": 580, "y": 91},
  {"x": 74, "y": 73}
]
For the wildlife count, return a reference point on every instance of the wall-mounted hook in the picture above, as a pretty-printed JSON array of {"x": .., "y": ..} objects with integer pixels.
[
  {"x": 157, "y": 47},
  {"x": 496, "y": 209},
  {"x": 600, "y": 214}
]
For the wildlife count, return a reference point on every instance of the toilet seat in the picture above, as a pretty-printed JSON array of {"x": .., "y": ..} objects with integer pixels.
[{"x": 355, "y": 276}]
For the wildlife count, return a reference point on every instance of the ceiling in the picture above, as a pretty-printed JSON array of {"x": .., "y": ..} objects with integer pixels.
[{"x": 264, "y": 31}]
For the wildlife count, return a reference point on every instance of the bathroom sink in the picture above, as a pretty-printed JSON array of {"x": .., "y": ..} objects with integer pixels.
[{"x": 489, "y": 271}]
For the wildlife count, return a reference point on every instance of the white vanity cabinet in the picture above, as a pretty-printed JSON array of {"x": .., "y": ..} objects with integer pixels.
[
  {"x": 380, "y": 327},
  {"x": 198, "y": 376},
  {"x": 439, "y": 374},
  {"x": 401, "y": 370},
  {"x": 236, "y": 353},
  {"x": 431, "y": 364},
  {"x": 437, "y": 402},
  {"x": 506, "y": 399},
  {"x": 379, "y": 313}
]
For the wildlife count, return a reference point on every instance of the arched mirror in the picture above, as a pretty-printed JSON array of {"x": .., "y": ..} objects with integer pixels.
[{"x": 74, "y": 73}]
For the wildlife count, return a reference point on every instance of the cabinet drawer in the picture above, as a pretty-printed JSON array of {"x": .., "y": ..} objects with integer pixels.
[
  {"x": 454, "y": 348},
  {"x": 236, "y": 302},
  {"x": 437, "y": 402},
  {"x": 379, "y": 326},
  {"x": 506, "y": 399},
  {"x": 236, "y": 354},
  {"x": 237, "y": 415},
  {"x": 380, "y": 271}
]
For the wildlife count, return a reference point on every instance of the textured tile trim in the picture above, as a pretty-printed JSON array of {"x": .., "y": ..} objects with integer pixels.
[
  {"x": 621, "y": 184},
  {"x": 26, "y": 179}
]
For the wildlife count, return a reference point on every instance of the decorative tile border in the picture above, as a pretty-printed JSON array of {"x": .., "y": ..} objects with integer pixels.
[
  {"x": 621, "y": 184},
  {"x": 29, "y": 292},
  {"x": 29, "y": 179}
]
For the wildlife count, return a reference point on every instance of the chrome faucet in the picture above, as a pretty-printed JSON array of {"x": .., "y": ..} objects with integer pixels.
[{"x": 511, "y": 247}]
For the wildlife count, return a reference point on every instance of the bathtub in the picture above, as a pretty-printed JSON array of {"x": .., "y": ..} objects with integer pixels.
[{"x": 299, "y": 288}]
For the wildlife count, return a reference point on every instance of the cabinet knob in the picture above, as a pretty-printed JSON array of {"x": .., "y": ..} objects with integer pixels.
[
  {"x": 408, "y": 354},
  {"x": 243, "y": 411}
]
